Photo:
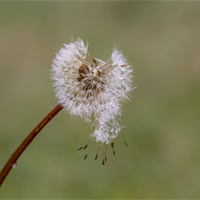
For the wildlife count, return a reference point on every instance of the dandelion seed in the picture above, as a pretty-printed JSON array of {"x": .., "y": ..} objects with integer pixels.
[
  {"x": 124, "y": 141},
  {"x": 112, "y": 145},
  {"x": 85, "y": 156},
  {"x": 80, "y": 148},
  {"x": 92, "y": 89},
  {"x": 97, "y": 154},
  {"x": 85, "y": 146}
]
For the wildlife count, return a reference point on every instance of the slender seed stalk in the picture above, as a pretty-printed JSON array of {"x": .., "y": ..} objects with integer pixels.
[{"x": 13, "y": 159}]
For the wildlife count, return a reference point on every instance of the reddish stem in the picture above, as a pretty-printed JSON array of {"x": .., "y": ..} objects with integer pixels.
[{"x": 13, "y": 159}]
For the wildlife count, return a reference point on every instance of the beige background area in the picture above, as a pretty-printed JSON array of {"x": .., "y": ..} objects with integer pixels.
[{"x": 161, "y": 40}]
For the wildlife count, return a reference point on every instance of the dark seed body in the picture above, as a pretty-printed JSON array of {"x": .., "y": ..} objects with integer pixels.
[
  {"x": 126, "y": 144},
  {"x": 83, "y": 69},
  {"x": 85, "y": 156},
  {"x": 91, "y": 81},
  {"x": 85, "y": 146},
  {"x": 95, "y": 62}
]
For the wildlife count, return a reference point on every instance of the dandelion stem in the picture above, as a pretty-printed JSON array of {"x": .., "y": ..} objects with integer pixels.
[{"x": 13, "y": 159}]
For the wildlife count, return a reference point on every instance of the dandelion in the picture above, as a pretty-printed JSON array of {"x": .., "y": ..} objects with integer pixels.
[{"x": 91, "y": 88}]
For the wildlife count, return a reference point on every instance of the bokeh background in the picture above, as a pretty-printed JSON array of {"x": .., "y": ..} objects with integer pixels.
[{"x": 161, "y": 40}]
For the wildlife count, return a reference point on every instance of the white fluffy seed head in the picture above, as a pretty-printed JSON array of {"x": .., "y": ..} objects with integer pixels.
[{"x": 91, "y": 88}]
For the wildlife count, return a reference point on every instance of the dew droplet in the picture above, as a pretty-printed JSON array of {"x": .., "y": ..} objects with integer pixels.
[{"x": 14, "y": 165}]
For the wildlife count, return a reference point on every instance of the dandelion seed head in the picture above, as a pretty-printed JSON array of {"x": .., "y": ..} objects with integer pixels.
[{"x": 91, "y": 88}]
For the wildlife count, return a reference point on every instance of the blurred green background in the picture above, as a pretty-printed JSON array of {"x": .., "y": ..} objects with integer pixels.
[{"x": 161, "y": 40}]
